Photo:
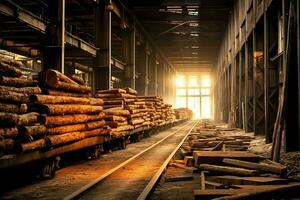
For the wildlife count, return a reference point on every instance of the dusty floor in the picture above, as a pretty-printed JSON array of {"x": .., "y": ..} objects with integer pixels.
[{"x": 70, "y": 178}]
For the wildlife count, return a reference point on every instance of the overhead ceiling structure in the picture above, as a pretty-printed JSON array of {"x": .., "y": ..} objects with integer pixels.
[{"x": 188, "y": 32}]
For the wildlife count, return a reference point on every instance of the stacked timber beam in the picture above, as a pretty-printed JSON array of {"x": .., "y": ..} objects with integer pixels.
[
  {"x": 67, "y": 112},
  {"x": 183, "y": 113},
  {"x": 116, "y": 116},
  {"x": 18, "y": 125},
  {"x": 226, "y": 168}
]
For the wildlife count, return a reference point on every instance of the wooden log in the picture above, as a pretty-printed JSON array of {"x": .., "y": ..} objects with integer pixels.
[
  {"x": 57, "y": 140},
  {"x": 96, "y": 132},
  {"x": 112, "y": 91},
  {"x": 8, "y": 145},
  {"x": 71, "y": 119},
  {"x": 13, "y": 108},
  {"x": 34, "y": 145},
  {"x": 77, "y": 79},
  {"x": 8, "y": 70},
  {"x": 130, "y": 90},
  {"x": 48, "y": 99},
  {"x": 96, "y": 101},
  {"x": 255, "y": 166},
  {"x": 136, "y": 121},
  {"x": 113, "y": 102},
  {"x": 115, "y": 124},
  {"x": 22, "y": 90},
  {"x": 95, "y": 124},
  {"x": 68, "y": 87},
  {"x": 7, "y": 119},
  {"x": 28, "y": 119},
  {"x": 35, "y": 130},
  {"x": 117, "y": 134},
  {"x": 216, "y": 157},
  {"x": 116, "y": 112},
  {"x": 113, "y": 106},
  {"x": 228, "y": 170},
  {"x": 253, "y": 180},
  {"x": 8, "y": 96},
  {"x": 75, "y": 127},
  {"x": 208, "y": 194},
  {"x": 8, "y": 132},
  {"x": 115, "y": 118},
  {"x": 63, "y": 93},
  {"x": 117, "y": 95},
  {"x": 136, "y": 115},
  {"x": 11, "y": 62},
  {"x": 17, "y": 82},
  {"x": 123, "y": 128},
  {"x": 286, "y": 192},
  {"x": 54, "y": 76},
  {"x": 60, "y": 109}
]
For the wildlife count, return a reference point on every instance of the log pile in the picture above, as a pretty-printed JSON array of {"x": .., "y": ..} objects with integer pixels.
[
  {"x": 18, "y": 125},
  {"x": 183, "y": 113},
  {"x": 67, "y": 112},
  {"x": 115, "y": 108}
]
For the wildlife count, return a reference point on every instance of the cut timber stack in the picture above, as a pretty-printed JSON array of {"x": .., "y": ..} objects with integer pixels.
[
  {"x": 183, "y": 113},
  {"x": 116, "y": 116},
  {"x": 18, "y": 126},
  {"x": 67, "y": 112}
]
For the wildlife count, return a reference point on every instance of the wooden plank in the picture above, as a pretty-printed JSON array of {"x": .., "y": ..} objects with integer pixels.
[
  {"x": 255, "y": 180},
  {"x": 179, "y": 178},
  {"x": 228, "y": 170},
  {"x": 215, "y": 193},
  {"x": 256, "y": 166},
  {"x": 216, "y": 157}
]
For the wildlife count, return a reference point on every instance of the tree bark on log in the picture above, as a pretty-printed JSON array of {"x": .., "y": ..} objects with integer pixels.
[
  {"x": 13, "y": 108},
  {"x": 113, "y": 111},
  {"x": 60, "y": 109},
  {"x": 123, "y": 128},
  {"x": 54, "y": 76},
  {"x": 228, "y": 170},
  {"x": 63, "y": 93},
  {"x": 57, "y": 140},
  {"x": 96, "y": 132},
  {"x": 74, "y": 128},
  {"x": 35, "y": 130},
  {"x": 17, "y": 82},
  {"x": 118, "y": 133},
  {"x": 22, "y": 90},
  {"x": 114, "y": 124},
  {"x": 68, "y": 87},
  {"x": 28, "y": 119},
  {"x": 105, "y": 107},
  {"x": 113, "y": 102},
  {"x": 77, "y": 79},
  {"x": 136, "y": 121},
  {"x": 71, "y": 119},
  {"x": 117, "y": 95},
  {"x": 9, "y": 132},
  {"x": 32, "y": 146},
  {"x": 48, "y": 99},
  {"x": 115, "y": 118},
  {"x": 9, "y": 96},
  {"x": 8, "y": 70},
  {"x": 130, "y": 91},
  {"x": 96, "y": 101},
  {"x": 112, "y": 91}
]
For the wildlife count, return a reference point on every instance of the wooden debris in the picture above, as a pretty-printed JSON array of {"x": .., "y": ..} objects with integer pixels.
[{"x": 228, "y": 170}]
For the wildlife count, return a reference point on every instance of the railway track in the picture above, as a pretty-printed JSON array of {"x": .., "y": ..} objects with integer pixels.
[{"x": 136, "y": 177}]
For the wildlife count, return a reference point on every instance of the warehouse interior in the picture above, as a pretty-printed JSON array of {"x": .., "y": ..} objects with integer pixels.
[{"x": 165, "y": 99}]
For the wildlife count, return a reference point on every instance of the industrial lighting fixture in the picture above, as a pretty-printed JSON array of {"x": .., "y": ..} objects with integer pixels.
[
  {"x": 109, "y": 6},
  {"x": 123, "y": 24}
]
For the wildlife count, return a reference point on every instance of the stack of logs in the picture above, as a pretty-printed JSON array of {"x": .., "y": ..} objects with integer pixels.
[
  {"x": 67, "y": 112},
  {"x": 116, "y": 116},
  {"x": 183, "y": 113},
  {"x": 17, "y": 124}
]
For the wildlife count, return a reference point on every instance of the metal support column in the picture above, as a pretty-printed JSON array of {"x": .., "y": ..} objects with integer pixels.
[
  {"x": 53, "y": 52},
  {"x": 102, "y": 62},
  {"x": 129, "y": 54}
]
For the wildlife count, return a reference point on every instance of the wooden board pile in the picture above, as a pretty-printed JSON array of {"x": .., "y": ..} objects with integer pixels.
[
  {"x": 17, "y": 123},
  {"x": 183, "y": 113},
  {"x": 227, "y": 170},
  {"x": 116, "y": 110},
  {"x": 68, "y": 114}
]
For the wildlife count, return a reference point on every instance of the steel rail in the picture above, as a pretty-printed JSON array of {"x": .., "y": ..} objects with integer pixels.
[{"x": 78, "y": 193}]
